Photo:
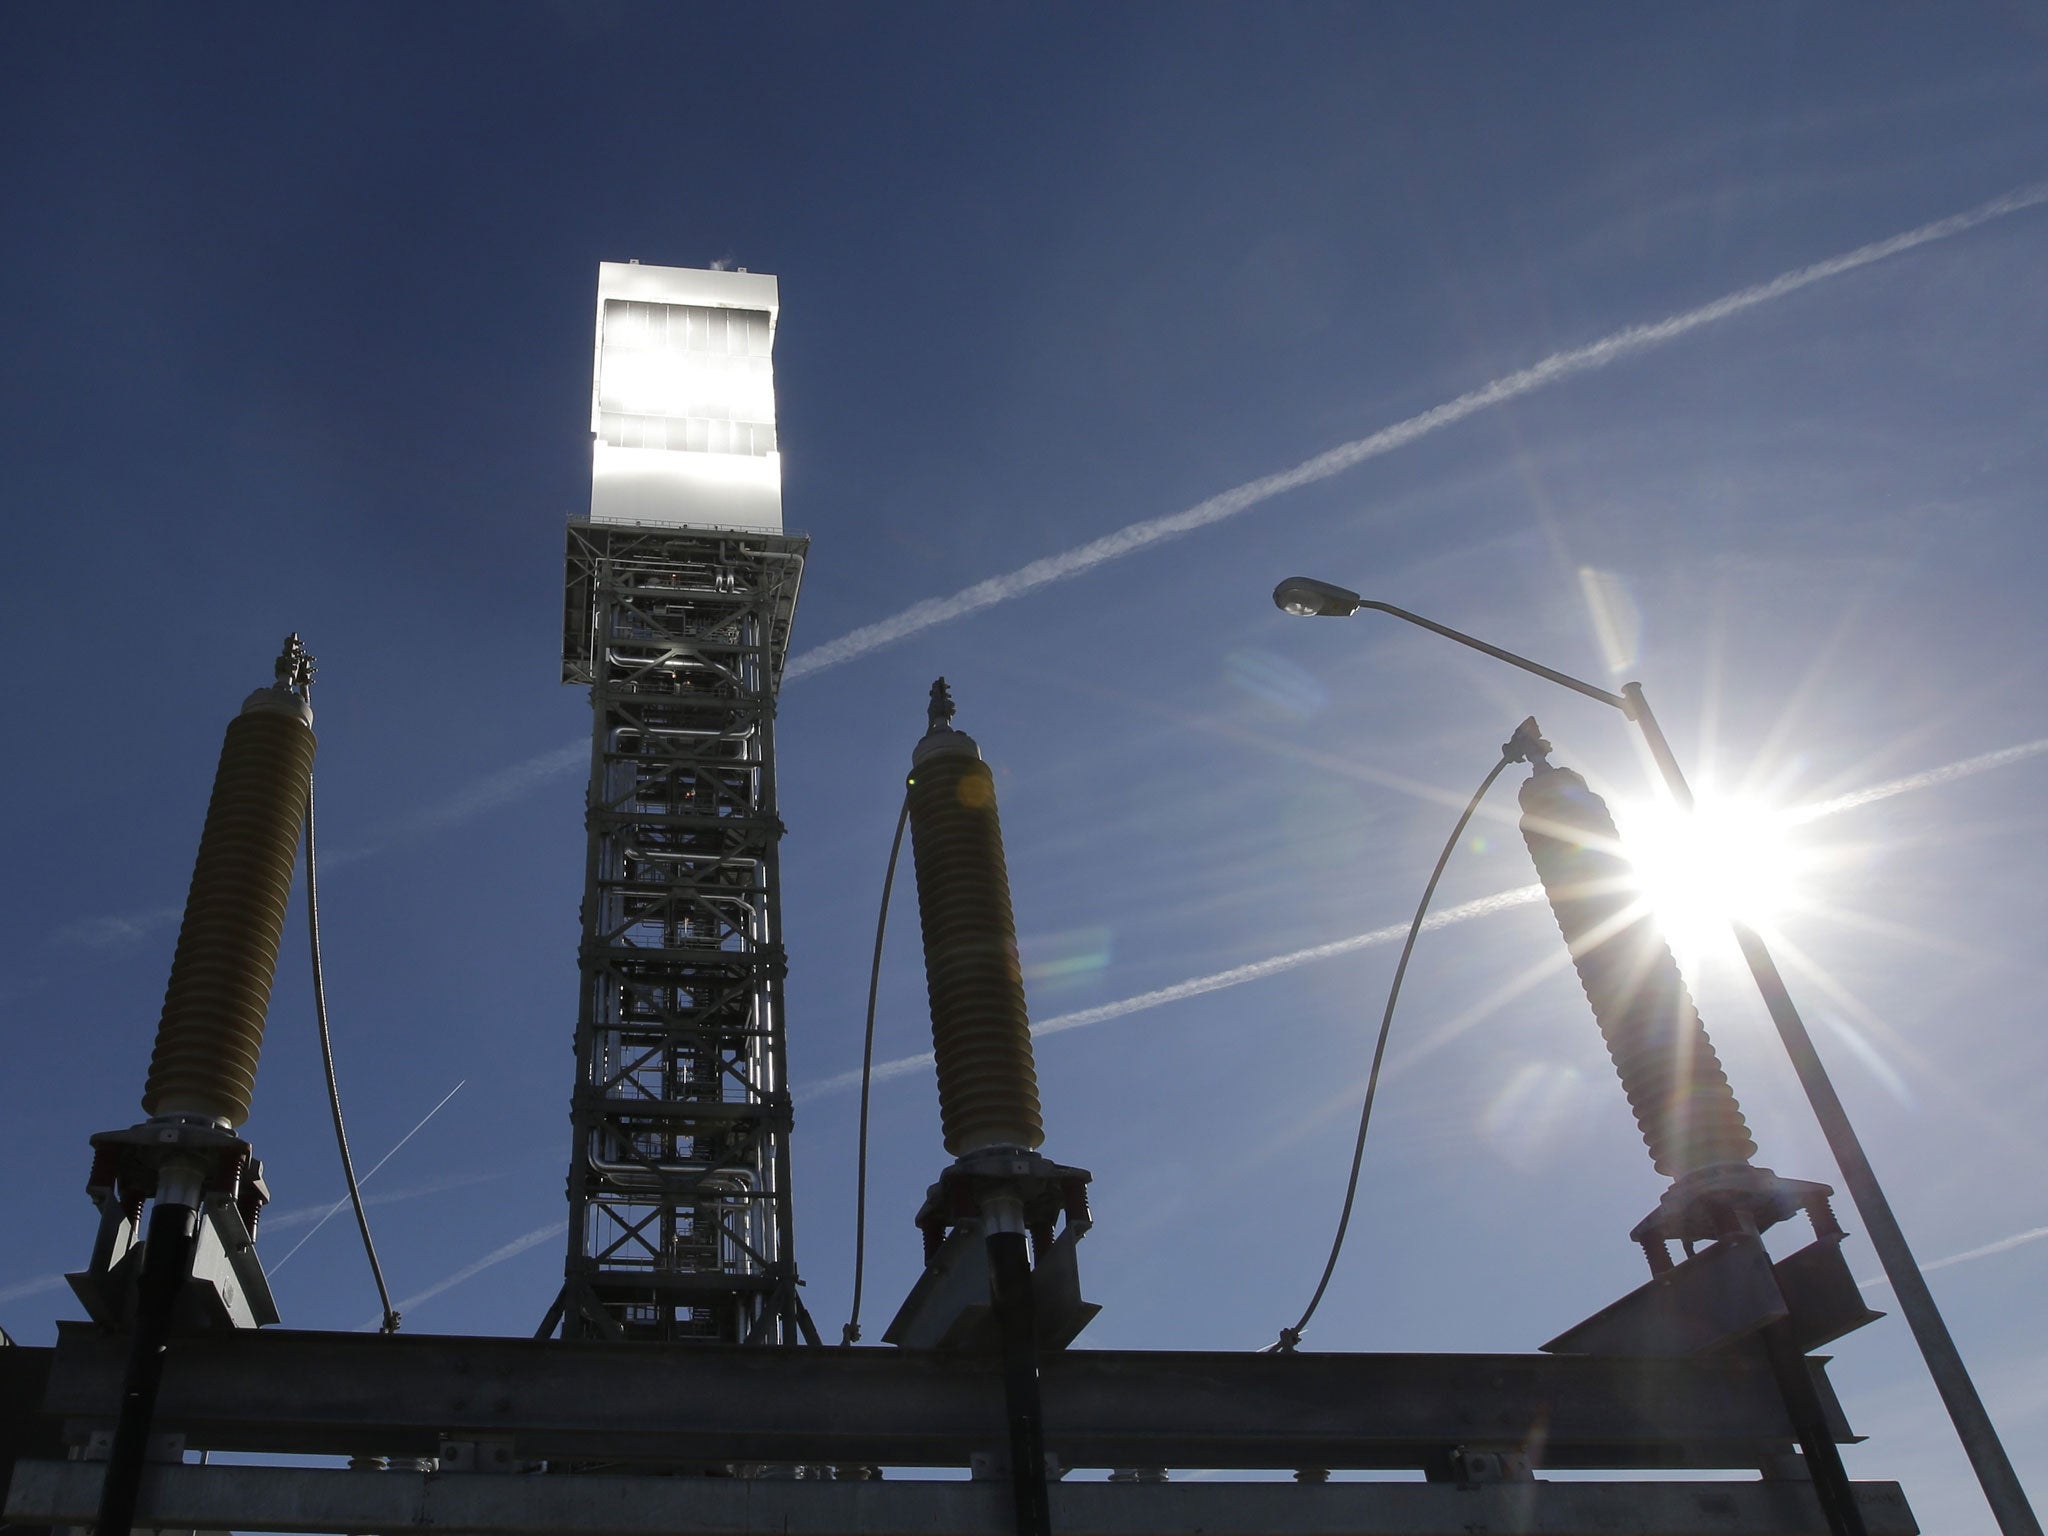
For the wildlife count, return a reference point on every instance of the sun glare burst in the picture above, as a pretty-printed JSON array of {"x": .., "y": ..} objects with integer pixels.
[{"x": 1729, "y": 859}]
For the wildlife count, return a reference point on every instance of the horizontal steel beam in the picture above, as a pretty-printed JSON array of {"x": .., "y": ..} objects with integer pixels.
[
  {"x": 400, "y": 1395},
  {"x": 486, "y": 1504}
]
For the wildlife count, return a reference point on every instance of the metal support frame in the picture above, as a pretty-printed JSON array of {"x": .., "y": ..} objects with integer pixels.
[
  {"x": 597, "y": 1504},
  {"x": 668, "y": 1405},
  {"x": 1974, "y": 1429},
  {"x": 679, "y": 1187},
  {"x": 1485, "y": 1430}
]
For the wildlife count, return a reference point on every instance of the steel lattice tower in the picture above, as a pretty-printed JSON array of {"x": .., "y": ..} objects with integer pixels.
[{"x": 677, "y": 616}]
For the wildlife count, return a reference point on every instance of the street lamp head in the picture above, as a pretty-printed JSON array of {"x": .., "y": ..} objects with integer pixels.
[{"x": 1305, "y": 598}]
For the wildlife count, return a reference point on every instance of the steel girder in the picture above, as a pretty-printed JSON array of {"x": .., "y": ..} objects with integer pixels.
[
  {"x": 679, "y": 1199},
  {"x": 485, "y": 1504},
  {"x": 1488, "y": 1431},
  {"x": 668, "y": 1405}
]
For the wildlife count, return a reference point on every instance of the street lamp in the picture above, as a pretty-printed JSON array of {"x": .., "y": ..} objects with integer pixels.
[{"x": 1306, "y": 597}]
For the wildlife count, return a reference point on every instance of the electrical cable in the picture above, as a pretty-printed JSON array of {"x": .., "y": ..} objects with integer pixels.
[
  {"x": 348, "y": 1167},
  {"x": 850, "y": 1334},
  {"x": 1290, "y": 1337}
]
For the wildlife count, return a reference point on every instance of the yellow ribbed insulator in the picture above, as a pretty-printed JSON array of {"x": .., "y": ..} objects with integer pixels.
[
  {"x": 211, "y": 1032},
  {"x": 981, "y": 1034}
]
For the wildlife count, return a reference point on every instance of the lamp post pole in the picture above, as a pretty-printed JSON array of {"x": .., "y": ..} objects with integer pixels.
[{"x": 1302, "y": 595}]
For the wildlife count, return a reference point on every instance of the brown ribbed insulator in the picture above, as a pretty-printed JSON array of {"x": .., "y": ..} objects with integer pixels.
[
  {"x": 981, "y": 1035},
  {"x": 219, "y": 994},
  {"x": 1682, "y": 1101}
]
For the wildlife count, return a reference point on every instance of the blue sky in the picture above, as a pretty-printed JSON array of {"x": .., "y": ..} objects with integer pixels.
[{"x": 298, "y": 318}]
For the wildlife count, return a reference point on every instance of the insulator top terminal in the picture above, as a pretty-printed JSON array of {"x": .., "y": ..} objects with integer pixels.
[
  {"x": 1528, "y": 746},
  {"x": 294, "y": 667},
  {"x": 291, "y": 691},
  {"x": 940, "y": 734}
]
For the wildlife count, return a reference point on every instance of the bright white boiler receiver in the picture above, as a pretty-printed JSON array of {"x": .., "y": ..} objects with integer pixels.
[{"x": 682, "y": 404}]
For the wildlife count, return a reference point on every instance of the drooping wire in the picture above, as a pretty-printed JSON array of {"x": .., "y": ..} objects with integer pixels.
[
  {"x": 1515, "y": 751},
  {"x": 348, "y": 1167},
  {"x": 850, "y": 1334}
]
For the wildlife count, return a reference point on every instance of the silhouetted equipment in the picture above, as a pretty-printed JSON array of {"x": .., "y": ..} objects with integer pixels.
[
  {"x": 1702, "y": 1198},
  {"x": 1688, "y": 1114},
  {"x": 1730, "y": 1296}
]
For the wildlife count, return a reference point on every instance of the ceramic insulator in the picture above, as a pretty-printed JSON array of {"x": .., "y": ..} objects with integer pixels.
[
  {"x": 219, "y": 994},
  {"x": 981, "y": 1034},
  {"x": 1688, "y": 1113}
]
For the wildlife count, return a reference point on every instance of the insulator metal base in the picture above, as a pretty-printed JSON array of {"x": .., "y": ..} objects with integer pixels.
[
  {"x": 1708, "y": 1204},
  {"x": 227, "y": 1287},
  {"x": 949, "y": 1306}
]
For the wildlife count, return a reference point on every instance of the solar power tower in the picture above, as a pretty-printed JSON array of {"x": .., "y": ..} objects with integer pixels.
[{"x": 681, "y": 589}]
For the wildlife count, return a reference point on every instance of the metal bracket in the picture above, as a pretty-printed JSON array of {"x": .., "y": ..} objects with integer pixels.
[
  {"x": 486, "y": 1453},
  {"x": 227, "y": 1287},
  {"x": 949, "y": 1307},
  {"x": 1472, "y": 1468},
  {"x": 1699, "y": 1207},
  {"x": 1723, "y": 1295}
]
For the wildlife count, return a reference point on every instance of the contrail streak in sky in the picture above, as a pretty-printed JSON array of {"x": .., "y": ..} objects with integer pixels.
[
  {"x": 1554, "y": 369},
  {"x": 1215, "y": 981},
  {"x": 1945, "y": 774},
  {"x": 408, "y": 1136},
  {"x": 33, "y": 1287},
  {"x": 299, "y": 1215},
  {"x": 513, "y": 1249},
  {"x": 113, "y": 929},
  {"x": 2003, "y": 1245},
  {"x": 502, "y": 786}
]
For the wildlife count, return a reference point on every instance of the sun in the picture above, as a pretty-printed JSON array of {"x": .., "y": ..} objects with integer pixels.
[{"x": 1729, "y": 859}]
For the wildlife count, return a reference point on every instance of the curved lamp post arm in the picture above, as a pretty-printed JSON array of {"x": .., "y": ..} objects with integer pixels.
[
  {"x": 1562, "y": 679},
  {"x": 1306, "y": 596}
]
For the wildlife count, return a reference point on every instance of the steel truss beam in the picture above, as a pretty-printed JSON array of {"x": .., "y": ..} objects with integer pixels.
[
  {"x": 692, "y": 1405},
  {"x": 306, "y": 1499},
  {"x": 679, "y": 1198}
]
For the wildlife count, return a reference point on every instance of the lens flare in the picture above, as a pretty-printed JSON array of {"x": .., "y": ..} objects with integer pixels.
[{"x": 1727, "y": 860}]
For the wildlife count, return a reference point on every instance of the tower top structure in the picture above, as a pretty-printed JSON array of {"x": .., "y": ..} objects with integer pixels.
[
  {"x": 682, "y": 400},
  {"x": 679, "y": 593}
]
